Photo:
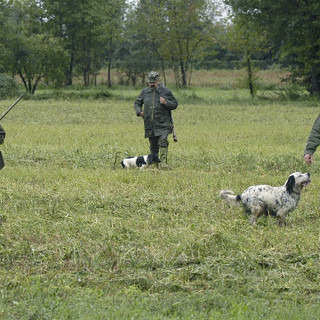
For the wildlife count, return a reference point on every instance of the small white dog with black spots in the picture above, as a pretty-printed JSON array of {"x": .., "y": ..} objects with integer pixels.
[
  {"x": 139, "y": 162},
  {"x": 264, "y": 199}
]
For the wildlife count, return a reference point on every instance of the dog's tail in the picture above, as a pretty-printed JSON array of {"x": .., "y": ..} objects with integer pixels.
[{"x": 229, "y": 196}]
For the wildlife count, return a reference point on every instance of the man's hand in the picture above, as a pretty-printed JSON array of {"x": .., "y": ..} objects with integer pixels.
[
  {"x": 163, "y": 100},
  {"x": 141, "y": 114},
  {"x": 308, "y": 158}
]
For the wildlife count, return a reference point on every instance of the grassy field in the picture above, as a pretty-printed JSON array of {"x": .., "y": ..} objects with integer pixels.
[{"x": 83, "y": 239}]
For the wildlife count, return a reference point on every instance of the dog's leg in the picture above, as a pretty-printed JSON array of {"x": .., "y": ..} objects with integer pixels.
[
  {"x": 256, "y": 207},
  {"x": 254, "y": 216},
  {"x": 253, "y": 220},
  {"x": 256, "y": 212},
  {"x": 281, "y": 216}
]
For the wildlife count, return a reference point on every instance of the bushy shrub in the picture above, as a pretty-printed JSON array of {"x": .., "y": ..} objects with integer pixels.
[
  {"x": 74, "y": 94},
  {"x": 292, "y": 92},
  {"x": 8, "y": 86}
]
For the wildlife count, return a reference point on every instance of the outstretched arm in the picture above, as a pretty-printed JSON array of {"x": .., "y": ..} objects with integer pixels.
[{"x": 313, "y": 141}]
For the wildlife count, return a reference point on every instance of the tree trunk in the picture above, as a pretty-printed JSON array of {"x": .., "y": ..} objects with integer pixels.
[
  {"x": 182, "y": 67},
  {"x": 190, "y": 74},
  {"x": 70, "y": 70},
  {"x": 84, "y": 78},
  {"x": 315, "y": 82},
  {"x": 109, "y": 63},
  {"x": 250, "y": 78},
  {"x": 29, "y": 86},
  {"x": 36, "y": 82},
  {"x": 163, "y": 72},
  {"x": 23, "y": 80},
  {"x": 183, "y": 74},
  {"x": 176, "y": 75}
]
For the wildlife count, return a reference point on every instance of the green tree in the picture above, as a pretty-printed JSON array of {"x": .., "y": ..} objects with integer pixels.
[
  {"x": 31, "y": 53},
  {"x": 79, "y": 24},
  {"x": 135, "y": 57},
  {"x": 89, "y": 29},
  {"x": 39, "y": 57},
  {"x": 244, "y": 36},
  {"x": 114, "y": 28},
  {"x": 137, "y": 54},
  {"x": 64, "y": 23},
  {"x": 293, "y": 26},
  {"x": 2, "y": 34},
  {"x": 180, "y": 29}
]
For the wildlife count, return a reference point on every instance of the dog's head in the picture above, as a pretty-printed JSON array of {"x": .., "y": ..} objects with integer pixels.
[
  {"x": 145, "y": 161},
  {"x": 297, "y": 181}
]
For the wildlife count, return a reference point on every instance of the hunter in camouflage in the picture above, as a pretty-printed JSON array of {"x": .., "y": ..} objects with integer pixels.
[{"x": 154, "y": 105}]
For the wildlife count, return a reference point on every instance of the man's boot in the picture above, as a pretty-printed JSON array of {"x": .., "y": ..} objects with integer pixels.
[
  {"x": 154, "y": 161},
  {"x": 164, "y": 158},
  {"x": 155, "y": 158}
]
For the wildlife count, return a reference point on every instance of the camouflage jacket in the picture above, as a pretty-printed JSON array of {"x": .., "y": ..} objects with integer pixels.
[
  {"x": 157, "y": 117},
  {"x": 313, "y": 140}
]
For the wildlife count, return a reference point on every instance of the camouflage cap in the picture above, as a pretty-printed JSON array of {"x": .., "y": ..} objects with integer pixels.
[{"x": 153, "y": 76}]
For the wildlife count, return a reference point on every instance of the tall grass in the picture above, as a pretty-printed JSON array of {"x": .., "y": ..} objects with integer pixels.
[
  {"x": 81, "y": 239},
  {"x": 222, "y": 79}
]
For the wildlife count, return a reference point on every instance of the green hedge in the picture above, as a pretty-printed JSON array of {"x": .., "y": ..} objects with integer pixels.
[{"x": 8, "y": 86}]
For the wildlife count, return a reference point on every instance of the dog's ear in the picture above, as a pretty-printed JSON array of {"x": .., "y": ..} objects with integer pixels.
[{"x": 290, "y": 184}]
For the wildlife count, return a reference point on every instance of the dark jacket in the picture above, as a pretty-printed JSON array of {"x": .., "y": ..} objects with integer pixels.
[
  {"x": 2, "y": 137},
  {"x": 2, "y": 134},
  {"x": 157, "y": 117},
  {"x": 313, "y": 140}
]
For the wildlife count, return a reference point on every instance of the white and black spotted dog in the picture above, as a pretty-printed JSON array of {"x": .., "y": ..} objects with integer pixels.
[
  {"x": 139, "y": 162},
  {"x": 264, "y": 199}
]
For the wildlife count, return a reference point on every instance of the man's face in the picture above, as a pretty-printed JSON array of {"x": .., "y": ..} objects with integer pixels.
[{"x": 154, "y": 85}]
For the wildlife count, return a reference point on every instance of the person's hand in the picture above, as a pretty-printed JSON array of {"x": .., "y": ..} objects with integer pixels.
[
  {"x": 163, "y": 100},
  {"x": 308, "y": 158},
  {"x": 141, "y": 114}
]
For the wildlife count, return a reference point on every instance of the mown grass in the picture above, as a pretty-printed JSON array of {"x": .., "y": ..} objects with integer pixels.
[{"x": 81, "y": 239}]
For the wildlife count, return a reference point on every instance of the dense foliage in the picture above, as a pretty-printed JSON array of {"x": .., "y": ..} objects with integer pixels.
[
  {"x": 60, "y": 40},
  {"x": 8, "y": 86},
  {"x": 292, "y": 28}
]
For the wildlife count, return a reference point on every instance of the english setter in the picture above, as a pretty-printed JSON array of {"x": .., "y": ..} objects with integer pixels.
[
  {"x": 264, "y": 199},
  {"x": 139, "y": 162}
]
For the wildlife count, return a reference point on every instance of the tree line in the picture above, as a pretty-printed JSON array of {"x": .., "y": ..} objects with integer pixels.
[{"x": 56, "y": 41}]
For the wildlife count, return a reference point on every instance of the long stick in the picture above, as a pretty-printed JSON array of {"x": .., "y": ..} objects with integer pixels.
[
  {"x": 175, "y": 139},
  {"x": 11, "y": 107}
]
